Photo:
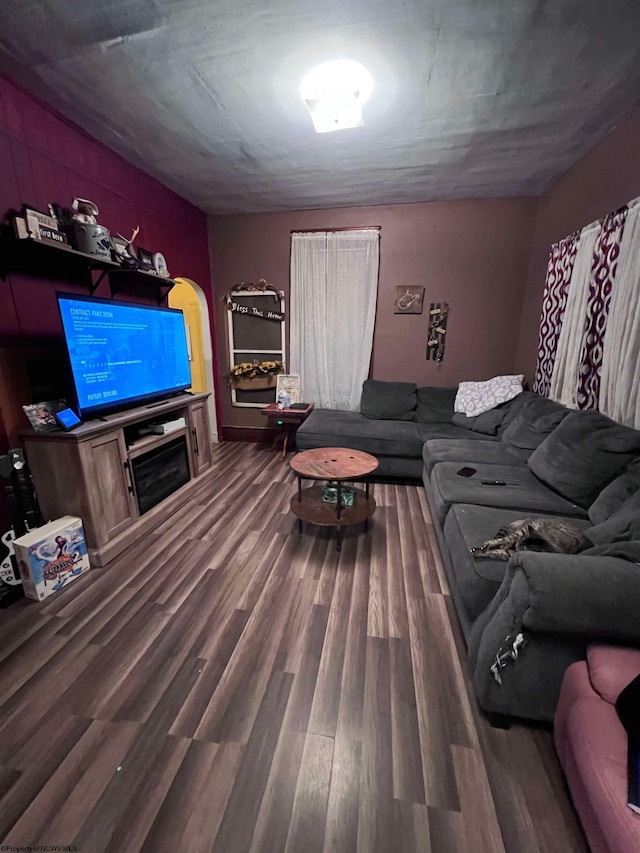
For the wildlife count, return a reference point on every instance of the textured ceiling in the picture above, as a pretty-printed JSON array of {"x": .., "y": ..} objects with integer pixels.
[{"x": 472, "y": 97}]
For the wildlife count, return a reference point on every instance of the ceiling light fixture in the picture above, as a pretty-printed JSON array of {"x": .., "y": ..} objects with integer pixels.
[{"x": 335, "y": 92}]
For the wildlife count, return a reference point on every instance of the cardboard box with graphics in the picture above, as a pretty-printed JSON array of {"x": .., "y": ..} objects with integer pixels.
[{"x": 52, "y": 556}]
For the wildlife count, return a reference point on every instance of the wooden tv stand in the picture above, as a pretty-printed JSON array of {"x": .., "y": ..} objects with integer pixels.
[{"x": 89, "y": 472}]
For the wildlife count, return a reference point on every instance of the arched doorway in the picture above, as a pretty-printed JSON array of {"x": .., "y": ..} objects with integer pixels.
[{"x": 190, "y": 299}]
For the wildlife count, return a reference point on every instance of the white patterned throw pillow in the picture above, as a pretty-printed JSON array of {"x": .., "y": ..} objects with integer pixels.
[{"x": 474, "y": 398}]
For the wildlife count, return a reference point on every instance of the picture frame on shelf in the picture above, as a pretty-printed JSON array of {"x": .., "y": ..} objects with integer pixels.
[
  {"x": 146, "y": 260},
  {"x": 42, "y": 415},
  {"x": 288, "y": 384},
  {"x": 160, "y": 265}
]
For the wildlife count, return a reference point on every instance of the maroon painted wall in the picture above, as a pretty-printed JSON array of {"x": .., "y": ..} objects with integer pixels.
[
  {"x": 44, "y": 158},
  {"x": 606, "y": 178},
  {"x": 473, "y": 254}
]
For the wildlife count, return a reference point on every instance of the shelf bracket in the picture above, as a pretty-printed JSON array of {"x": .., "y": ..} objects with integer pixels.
[
  {"x": 162, "y": 295},
  {"x": 96, "y": 284}
]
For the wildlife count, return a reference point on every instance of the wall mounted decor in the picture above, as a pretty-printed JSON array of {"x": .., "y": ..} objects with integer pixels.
[
  {"x": 438, "y": 315},
  {"x": 255, "y": 375},
  {"x": 256, "y": 335},
  {"x": 408, "y": 300},
  {"x": 260, "y": 286}
]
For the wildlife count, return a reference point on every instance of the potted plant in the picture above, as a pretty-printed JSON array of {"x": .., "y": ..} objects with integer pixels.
[{"x": 255, "y": 375}]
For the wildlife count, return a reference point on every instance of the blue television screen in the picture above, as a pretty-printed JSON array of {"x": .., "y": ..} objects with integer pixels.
[{"x": 121, "y": 352}]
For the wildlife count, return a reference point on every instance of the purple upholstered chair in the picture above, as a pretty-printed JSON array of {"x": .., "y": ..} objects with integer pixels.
[{"x": 592, "y": 746}]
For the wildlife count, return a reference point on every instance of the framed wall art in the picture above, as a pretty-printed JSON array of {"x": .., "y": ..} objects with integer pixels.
[{"x": 408, "y": 300}]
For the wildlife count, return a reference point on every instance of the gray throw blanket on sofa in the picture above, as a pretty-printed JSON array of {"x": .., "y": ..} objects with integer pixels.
[{"x": 619, "y": 536}]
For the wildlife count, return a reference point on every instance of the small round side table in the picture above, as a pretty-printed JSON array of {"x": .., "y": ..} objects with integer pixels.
[{"x": 334, "y": 465}]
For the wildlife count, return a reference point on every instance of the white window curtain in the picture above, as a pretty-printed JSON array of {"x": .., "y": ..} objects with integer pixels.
[
  {"x": 334, "y": 283},
  {"x": 620, "y": 381},
  {"x": 566, "y": 370}
]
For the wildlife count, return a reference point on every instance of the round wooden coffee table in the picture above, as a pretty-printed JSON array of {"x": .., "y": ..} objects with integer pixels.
[{"x": 335, "y": 465}]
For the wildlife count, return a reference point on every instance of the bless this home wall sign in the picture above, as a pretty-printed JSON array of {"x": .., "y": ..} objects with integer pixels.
[{"x": 257, "y": 312}]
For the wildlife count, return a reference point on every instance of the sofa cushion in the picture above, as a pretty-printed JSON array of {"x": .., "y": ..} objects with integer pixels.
[
  {"x": 523, "y": 491},
  {"x": 466, "y": 451},
  {"x": 584, "y": 453},
  {"x": 335, "y": 428},
  {"x": 619, "y": 534},
  {"x": 496, "y": 420},
  {"x": 531, "y": 425},
  {"x": 611, "y": 669},
  {"x": 467, "y": 526},
  {"x": 474, "y": 398},
  {"x": 404, "y": 468},
  {"x": 393, "y": 401},
  {"x": 614, "y": 496},
  {"x": 488, "y": 422},
  {"x": 435, "y": 405},
  {"x": 449, "y": 431}
]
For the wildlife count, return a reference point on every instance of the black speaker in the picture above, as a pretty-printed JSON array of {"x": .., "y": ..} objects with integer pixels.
[{"x": 19, "y": 492}]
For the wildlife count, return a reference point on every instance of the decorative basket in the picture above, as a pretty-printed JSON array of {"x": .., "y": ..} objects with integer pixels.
[{"x": 254, "y": 383}]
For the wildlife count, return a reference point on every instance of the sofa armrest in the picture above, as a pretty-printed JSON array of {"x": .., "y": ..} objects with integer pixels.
[
  {"x": 559, "y": 603},
  {"x": 580, "y": 595}
]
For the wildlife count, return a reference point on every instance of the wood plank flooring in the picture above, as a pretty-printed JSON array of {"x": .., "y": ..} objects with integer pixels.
[{"x": 229, "y": 685}]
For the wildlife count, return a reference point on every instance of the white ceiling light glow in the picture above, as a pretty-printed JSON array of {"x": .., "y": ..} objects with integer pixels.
[{"x": 335, "y": 93}]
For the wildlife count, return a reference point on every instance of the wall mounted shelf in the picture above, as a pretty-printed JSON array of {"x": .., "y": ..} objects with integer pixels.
[
  {"x": 121, "y": 276},
  {"x": 61, "y": 262}
]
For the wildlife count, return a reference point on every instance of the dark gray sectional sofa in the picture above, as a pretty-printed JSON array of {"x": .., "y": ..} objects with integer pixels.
[
  {"x": 527, "y": 620},
  {"x": 394, "y": 421}
]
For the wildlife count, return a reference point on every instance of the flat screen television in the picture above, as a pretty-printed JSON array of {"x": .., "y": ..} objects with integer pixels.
[{"x": 123, "y": 353}]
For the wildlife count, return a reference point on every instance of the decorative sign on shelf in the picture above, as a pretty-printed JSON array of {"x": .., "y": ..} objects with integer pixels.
[
  {"x": 38, "y": 226},
  {"x": 438, "y": 314}
]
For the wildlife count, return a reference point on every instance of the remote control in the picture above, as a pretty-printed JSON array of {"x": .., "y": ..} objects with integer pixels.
[{"x": 493, "y": 482}]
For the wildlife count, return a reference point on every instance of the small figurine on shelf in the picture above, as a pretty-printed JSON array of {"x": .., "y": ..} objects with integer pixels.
[
  {"x": 126, "y": 253},
  {"x": 85, "y": 211},
  {"x": 87, "y": 235},
  {"x": 283, "y": 401}
]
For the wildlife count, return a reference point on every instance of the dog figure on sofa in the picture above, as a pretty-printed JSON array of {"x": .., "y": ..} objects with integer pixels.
[{"x": 551, "y": 535}]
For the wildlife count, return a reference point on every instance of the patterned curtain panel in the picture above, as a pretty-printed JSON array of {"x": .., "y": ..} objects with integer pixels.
[
  {"x": 603, "y": 272},
  {"x": 554, "y": 301},
  {"x": 566, "y": 369},
  {"x": 620, "y": 380}
]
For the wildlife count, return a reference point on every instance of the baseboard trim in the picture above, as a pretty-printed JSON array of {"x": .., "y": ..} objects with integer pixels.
[{"x": 257, "y": 435}]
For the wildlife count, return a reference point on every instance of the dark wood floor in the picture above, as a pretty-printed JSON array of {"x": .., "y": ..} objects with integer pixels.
[{"x": 229, "y": 685}]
